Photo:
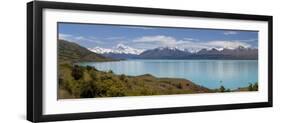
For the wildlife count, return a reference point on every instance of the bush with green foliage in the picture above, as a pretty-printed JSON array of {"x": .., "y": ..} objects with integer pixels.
[
  {"x": 77, "y": 72},
  {"x": 250, "y": 87},
  {"x": 110, "y": 71},
  {"x": 222, "y": 89},
  {"x": 122, "y": 77},
  {"x": 255, "y": 87}
]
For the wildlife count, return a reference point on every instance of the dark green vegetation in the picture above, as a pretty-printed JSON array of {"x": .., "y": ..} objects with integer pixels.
[
  {"x": 251, "y": 87},
  {"x": 87, "y": 82}
]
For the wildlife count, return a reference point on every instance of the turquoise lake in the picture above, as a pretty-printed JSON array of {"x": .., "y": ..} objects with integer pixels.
[{"x": 208, "y": 73}]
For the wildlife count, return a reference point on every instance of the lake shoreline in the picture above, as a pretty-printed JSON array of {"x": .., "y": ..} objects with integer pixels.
[{"x": 230, "y": 73}]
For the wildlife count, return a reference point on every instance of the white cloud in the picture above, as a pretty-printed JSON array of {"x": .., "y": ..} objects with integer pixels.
[
  {"x": 64, "y": 36},
  {"x": 137, "y": 27},
  {"x": 191, "y": 45},
  {"x": 186, "y": 43},
  {"x": 190, "y": 39},
  {"x": 67, "y": 37},
  {"x": 150, "y": 42},
  {"x": 157, "y": 40},
  {"x": 250, "y": 40},
  {"x": 73, "y": 38},
  {"x": 211, "y": 44},
  {"x": 227, "y": 44},
  {"x": 230, "y": 33},
  {"x": 115, "y": 38}
]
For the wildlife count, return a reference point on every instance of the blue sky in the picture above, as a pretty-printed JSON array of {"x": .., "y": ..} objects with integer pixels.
[{"x": 140, "y": 37}]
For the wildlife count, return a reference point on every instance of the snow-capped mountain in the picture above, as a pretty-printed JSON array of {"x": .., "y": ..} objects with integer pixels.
[
  {"x": 123, "y": 49},
  {"x": 164, "y": 52},
  {"x": 210, "y": 53},
  {"x": 119, "y": 49},
  {"x": 125, "y": 52},
  {"x": 100, "y": 50},
  {"x": 190, "y": 50}
]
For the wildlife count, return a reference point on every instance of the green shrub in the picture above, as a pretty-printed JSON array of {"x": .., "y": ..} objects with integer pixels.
[
  {"x": 110, "y": 71},
  {"x": 222, "y": 89},
  {"x": 77, "y": 72},
  {"x": 179, "y": 85},
  {"x": 228, "y": 90},
  {"x": 250, "y": 87},
  {"x": 122, "y": 77},
  {"x": 255, "y": 87},
  {"x": 89, "y": 68},
  {"x": 90, "y": 89}
]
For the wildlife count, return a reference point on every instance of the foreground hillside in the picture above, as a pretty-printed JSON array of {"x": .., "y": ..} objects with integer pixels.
[{"x": 87, "y": 82}]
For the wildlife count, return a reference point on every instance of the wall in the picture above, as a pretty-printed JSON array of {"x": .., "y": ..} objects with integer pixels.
[{"x": 13, "y": 61}]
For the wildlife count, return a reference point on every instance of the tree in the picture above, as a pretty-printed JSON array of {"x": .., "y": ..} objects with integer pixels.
[
  {"x": 179, "y": 85},
  {"x": 222, "y": 89},
  {"x": 250, "y": 87},
  {"x": 110, "y": 71},
  {"x": 255, "y": 87},
  {"x": 228, "y": 90},
  {"x": 60, "y": 81},
  {"x": 77, "y": 72},
  {"x": 89, "y": 90},
  {"x": 88, "y": 67},
  {"x": 122, "y": 77}
]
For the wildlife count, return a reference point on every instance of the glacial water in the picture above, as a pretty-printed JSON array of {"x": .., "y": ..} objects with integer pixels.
[{"x": 208, "y": 73}]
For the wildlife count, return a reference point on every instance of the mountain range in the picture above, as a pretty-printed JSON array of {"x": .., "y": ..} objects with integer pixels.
[
  {"x": 125, "y": 52},
  {"x": 121, "y": 51}
]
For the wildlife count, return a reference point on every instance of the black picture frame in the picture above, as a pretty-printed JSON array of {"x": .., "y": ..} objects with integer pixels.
[{"x": 35, "y": 69}]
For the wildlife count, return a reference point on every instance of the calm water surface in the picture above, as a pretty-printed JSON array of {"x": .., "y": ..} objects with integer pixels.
[{"x": 209, "y": 73}]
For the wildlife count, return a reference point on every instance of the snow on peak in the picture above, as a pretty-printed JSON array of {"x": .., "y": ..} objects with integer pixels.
[
  {"x": 219, "y": 49},
  {"x": 118, "y": 49},
  {"x": 191, "y": 50},
  {"x": 121, "y": 46},
  {"x": 100, "y": 50},
  {"x": 123, "y": 49}
]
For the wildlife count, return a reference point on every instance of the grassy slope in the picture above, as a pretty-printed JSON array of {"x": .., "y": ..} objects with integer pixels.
[
  {"x": 72, "y": 52},
  {"x": 94, "y": 83}
]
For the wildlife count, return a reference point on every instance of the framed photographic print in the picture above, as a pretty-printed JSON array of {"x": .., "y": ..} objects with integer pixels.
[{"x": 96, "y": 61}]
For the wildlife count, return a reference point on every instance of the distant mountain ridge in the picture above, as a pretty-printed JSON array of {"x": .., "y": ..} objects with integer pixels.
[
  {"x": 239, "y": 53},
  {"x": 164, "y": 53}
]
